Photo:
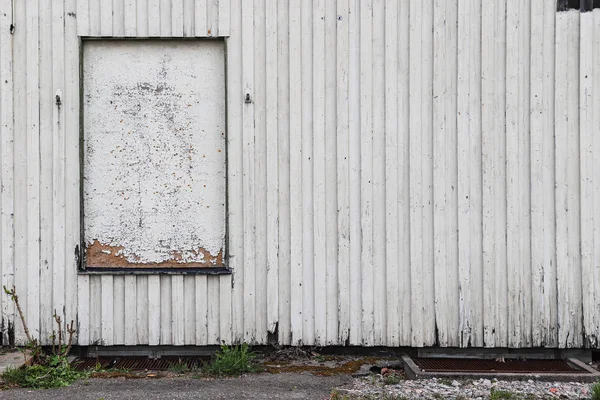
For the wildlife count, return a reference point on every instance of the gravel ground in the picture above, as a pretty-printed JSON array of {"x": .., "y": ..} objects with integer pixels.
[
  {"x": 374, "y": 387},
  {"x": 256, "y": 386}
]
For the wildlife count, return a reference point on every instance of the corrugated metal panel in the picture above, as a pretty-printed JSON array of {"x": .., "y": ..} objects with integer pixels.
[{"x": 408, "y": 173}]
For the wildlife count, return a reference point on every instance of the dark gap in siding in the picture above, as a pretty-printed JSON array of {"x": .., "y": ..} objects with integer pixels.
[{"x": 582, "y": 5}]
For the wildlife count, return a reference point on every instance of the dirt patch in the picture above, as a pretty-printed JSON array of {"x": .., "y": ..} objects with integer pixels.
[{"x": 320, "y": 366}]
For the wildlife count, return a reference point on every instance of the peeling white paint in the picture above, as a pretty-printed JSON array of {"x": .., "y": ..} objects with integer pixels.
[{"x": 154, "y": 155}]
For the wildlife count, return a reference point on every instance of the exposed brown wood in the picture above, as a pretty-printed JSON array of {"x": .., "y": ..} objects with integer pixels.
[{"x": 99, "y": 255}]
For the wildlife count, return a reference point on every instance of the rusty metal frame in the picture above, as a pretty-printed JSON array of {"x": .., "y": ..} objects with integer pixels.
[{"x": 80, "y": 253}]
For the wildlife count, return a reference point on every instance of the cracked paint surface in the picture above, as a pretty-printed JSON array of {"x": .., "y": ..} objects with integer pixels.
[{"x": 154, "y": 153}]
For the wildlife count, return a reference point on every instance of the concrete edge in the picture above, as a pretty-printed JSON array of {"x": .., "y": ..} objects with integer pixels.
[
  {"x": 581, "y": 365},
  {"x": 414, "y": 372},
  {"x": 14, "y": 359}
]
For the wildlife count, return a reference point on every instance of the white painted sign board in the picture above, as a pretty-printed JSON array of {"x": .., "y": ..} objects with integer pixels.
[{"x": 154, "y": 153}]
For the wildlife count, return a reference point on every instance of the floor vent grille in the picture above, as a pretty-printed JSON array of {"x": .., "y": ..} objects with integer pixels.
[
  {"x": 463, "y": 365},
  {"x": 139, "y": 363}
]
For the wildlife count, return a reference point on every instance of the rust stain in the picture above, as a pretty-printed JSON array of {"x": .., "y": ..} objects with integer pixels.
[{"x": 99, "y": 255}]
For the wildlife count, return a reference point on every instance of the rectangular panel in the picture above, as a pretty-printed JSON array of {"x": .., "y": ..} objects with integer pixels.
[{"x": 154, "y": 154}]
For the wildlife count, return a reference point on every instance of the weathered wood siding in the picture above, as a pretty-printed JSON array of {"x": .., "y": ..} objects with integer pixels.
[{"x": 408, "y": 173}]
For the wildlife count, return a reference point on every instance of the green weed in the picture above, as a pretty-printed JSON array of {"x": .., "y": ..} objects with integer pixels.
[
  {"x": 42, "y": 376},
  {"x": 501, "y": 395},
  {"x": 180, "y": 367},
  {"x": 42, "y": 369},
  {"x": 391, "y": 379},
  {"x": 232, "y": 360},
  {"x": 595, "y": 393}
]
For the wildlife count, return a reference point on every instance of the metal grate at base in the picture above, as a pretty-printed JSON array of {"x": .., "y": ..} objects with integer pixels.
[
  {"x": 493, "y": 366},
  {"x": 139, "y": 363}
]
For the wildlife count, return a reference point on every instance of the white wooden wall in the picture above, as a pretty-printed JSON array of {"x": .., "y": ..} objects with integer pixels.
[{"x": 409, "y": 173}]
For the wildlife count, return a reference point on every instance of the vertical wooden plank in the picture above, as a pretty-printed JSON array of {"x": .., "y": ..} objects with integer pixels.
[
  {"x": 225, "y": 310},
  {"x": 4, "y": 300},
  {"x": 543, "y": 246},
  {"x": 59, "y": 160},
  {"x": 283, "y": 93},
  {"x": 33, "y": 169},
  {"x": 7, "y": 168},
  {"x": 119, "y": 310},
  {"x": 248, "y": 168},
  {"x": 594, "y": 336},
  {"x": 213, "y": 17},
  {"x": 366, "y": 169},
  {"x": 200, "y": 23},
  {"x": 95, "y": 21},
  {"x": 586, "y": 99},
  {"x": 188, "y": 18},
  {"x": 469, "y": 173},
  {"x": 550, "y": 286},
  {"x": 107, "y": 307},
  {"x": 260, "y": 172},
  {"x": 46, "y": 111},
  {"x": 142, "y": 310},
  {"x": 20, "y": 163},
  {"x": 272, "y": 164},
  {"x": 106, "y": 17},
  {"x": 189, "y": 309},
  {"x": 177, "y": 310},
  {"x": 166, "y": 311},
  {"x": 130, "y": 310},
  {"x": 154, "y": 13},
  {"x": 95, "y": 310},
  {"x": 71, "y": 166},
  {"x": 306, "y": 154},
  {"x": 130, "y": 18},
  {"x": 167, "y": 16},
  {"x": 567, "y": 184},
  {"x": 142, "y": 18},
  {"x": 319, "y": 192},
  {"x": 118, "y": 23},
  {"x": 354, "y": 125},
  {"x": 392, "y": 276},
  {"x": 445, "y": 172},
  {"x": 343, "y": 169},
  {"x": 235, "y": 102},
  {"x": 83, "y": 17},
  {"x": 416, "y": 181},
  {"x": 379, "y": 137},
  {"x": 331, "y": 248},
  {"x": 518, "y": 179},
  {"x": 495, "y": 318},
  {"x": 177, "y": 12},
  {"x": 83, "y": 311},
  {"x": 421, "y": 171},
  {"x": 573, "y": 205},
  {"x": 209, "y": 19},
  {"x": 224, "y": 18},
  {"x": 154, "y": 308},
  {"x": 213, "y": 310},
  {"x": 201, "y": 310},
  {"x": 404, "y": 233},
  {"x": 295, "y": 122}
]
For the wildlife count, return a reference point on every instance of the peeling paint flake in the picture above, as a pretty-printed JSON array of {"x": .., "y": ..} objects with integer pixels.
[{"x": 154, "y": 172}]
